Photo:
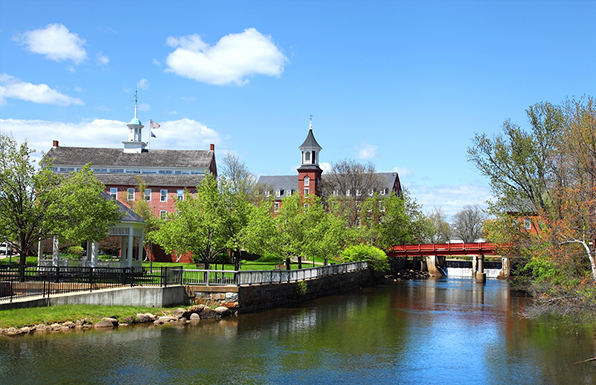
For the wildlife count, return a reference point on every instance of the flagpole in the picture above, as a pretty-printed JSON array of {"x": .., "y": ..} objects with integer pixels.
[{"x": 149, "y": 133}]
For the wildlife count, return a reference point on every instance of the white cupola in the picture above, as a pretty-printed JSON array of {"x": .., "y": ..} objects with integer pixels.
[
  {"x": 310, "y": 149},
  {"x": 135, "y": 143}
]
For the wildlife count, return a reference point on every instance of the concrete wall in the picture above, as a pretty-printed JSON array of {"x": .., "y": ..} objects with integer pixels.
[
  {"x": 127, "y": 296},
  {"x": 256, "y": 297}
]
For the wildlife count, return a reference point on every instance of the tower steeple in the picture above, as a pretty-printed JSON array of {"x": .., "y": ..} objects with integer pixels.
[
  {"x": 309, "y": 172},
  {"x": 135, "y": 142}
]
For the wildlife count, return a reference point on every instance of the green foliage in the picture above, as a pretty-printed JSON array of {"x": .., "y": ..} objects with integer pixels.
[
  {"x": 37, "y": 203},
  {"x": 301, "y": 288},
  {"x": 376, "y": 258}
]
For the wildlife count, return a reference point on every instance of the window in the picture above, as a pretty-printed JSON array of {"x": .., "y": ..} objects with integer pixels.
[
  {"x": 313, "y": 157},
  {"x": 306, "y": 205},
  {"x": 114, "y": 193},
  {"x": 278, "y": 193},
  {"x": 527, "y": 224},
  {"x": 335, "y": 193},
  {"x": 358, "y": 193},
  {"x": 371, "y": 192},
  {"x": 381, "y": 206},
  {"x": 180, "y": 194},
  {"x": 148, "y": 194},
  {"x": 307, "y": 156},
  {"x": 306, "y": 191},
  {"x": 275, "y": 206},
  {"x": 306, "y": 181},
  {"x": 130, "y": 196},
  {"x": 383, "y": 191},
  {"x": 267, "y": 194},
  {"x": 281, "y": 192},
  {"x": 163, "y": 195},
  {"x": 117, "y": 170},
  {"x": 347, "y": 193},
  {"x": 163, "y": 214}
]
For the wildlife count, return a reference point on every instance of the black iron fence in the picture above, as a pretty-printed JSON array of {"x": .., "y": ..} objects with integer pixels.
[{"x": 44, "y": 281}]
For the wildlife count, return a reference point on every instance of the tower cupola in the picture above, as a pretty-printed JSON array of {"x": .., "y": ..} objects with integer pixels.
[
  {"x": 135, "y": 143},
  {"x": 310, "y": 148}
]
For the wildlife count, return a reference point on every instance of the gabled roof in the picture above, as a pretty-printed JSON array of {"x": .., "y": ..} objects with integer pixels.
[
  {"x": 128, "y": 215},
  {"x": 196, "y": 159}
]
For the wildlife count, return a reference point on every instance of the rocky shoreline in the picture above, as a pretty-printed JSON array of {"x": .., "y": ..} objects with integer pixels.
[
  {"x": 407, "y": 274},
  {"x": 180, "y": 316}
]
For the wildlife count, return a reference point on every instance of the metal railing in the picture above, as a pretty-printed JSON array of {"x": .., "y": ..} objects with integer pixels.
[
  {"x": 257, "y": 277},
  {"x": 51, "y": 280}
]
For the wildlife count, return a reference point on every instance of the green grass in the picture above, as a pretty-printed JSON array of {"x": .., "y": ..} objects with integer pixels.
[
  {"x": 31, "y": 261},
  {"x": 63, "y": 313}
]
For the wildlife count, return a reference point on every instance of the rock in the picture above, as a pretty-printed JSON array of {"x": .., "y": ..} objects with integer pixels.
[
  {"x": 209, "y": 313},
  {"x": 64, "y": 329},
  {"x": 182, "y": 319},
  {"x": 87, "y": 326},
  {"x": 122, "y": 324},
  {"x": 164, "y": 319},
  {"x": 179, "y": 312},
  {"x": 105, "y": 324},
  {"x": 13, "y": 331},
  {"x": 87, "y": 321},
  {"x": 146, "y": 317},
  {"x": 129, "y": 319},
  {"x": 222, "y": 310},
  {"x": 196, "y": 308},
  {"x": 69, "y": 324},
  {"x": 25, "y": 330},
  {"x": 40, "y": 328},
  {"x": 195, "y": 316},
  {"x": 231, "y": 305}
]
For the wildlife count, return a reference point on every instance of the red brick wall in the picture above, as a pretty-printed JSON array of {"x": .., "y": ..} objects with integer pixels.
[{"x": 156, "y": 204}]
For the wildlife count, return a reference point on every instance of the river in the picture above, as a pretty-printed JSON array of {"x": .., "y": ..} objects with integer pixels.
[{"x": 447, "y": 331}]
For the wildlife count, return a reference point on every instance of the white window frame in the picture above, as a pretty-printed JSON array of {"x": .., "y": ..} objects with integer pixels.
[
  {"x": 147, "y": 195},
  {"x": 114, "y": 192},
  {"x": 348, "y": 192},
  {"x": 277, "y": 193},
  {"x": 163, "y": 197},
  {"x": 306, "y": 191},
  {"x": 306, "y": 181},
  {"x": 275, "y": 207},
  {"x": 528, "y": 224},
  {"x": 163, "y": 214},
  {"x": 128, "y": 194},
  {"x": 358, "y": 192},
  {"x": 267, "y": 194},
  {"x": 180, "y": 195}
]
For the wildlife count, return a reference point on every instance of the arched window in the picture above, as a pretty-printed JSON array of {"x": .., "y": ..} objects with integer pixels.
[
  {"x": 306, "y": 181},
  {"x": 307, "y": 157},
  {"x": 313, "y": 158}
]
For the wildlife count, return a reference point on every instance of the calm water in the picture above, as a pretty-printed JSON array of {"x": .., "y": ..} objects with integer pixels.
[{"x": 417, "y": 332}]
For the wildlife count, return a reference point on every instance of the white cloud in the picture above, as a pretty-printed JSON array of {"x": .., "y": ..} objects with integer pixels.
[
  {"x": 102, "y": 60},
  {"x": 452, "y": 198},
  {"x": 55, "y": 42},
  {"x": 326, "y": 167},
  {"x": 78, "y": 89},
  {"x": 13, "y": 88},
  {"x": 184, "y": 134},
  {"x": 402, "y": 171},
  {"x": 102, "y": 108},
  {"x": 143, "y": 84},
  {"x": 144, "y": 107},
  {"x": 156, "y": 62},
  {"x": 190, "y": 99},
  {"x": 234, "y": 58},
  {"x": 367, "y": 151},
  {"x": 173, "y": 112}
]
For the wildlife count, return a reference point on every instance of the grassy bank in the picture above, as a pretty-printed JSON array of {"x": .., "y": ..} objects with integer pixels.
[{"x": 57, "y": 314}]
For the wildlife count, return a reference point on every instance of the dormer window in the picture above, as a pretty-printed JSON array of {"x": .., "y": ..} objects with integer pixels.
[
  {"x": 278, "y": 193},
  {"x": 358, "y": 193},
  {"x": 335, "y": 193},
  {"x": 267, "y": 194},
  {"x": 347, "y": 193},
  {"x": 306, "y": 181}
]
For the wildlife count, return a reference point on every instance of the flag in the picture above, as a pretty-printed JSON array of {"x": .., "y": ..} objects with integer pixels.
[
  {"x": 153, "y": 135},
  {"x": 153, "y": 124}
]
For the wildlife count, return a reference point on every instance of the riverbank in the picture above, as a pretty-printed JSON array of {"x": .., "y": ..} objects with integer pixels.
[{"x": 67, "y": 318}]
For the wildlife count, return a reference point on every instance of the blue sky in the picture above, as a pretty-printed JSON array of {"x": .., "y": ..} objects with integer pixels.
[{"x": 402, "y": 84}]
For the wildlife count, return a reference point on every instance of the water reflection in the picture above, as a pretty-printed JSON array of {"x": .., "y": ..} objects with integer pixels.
[{"x": 451, "y": 331}]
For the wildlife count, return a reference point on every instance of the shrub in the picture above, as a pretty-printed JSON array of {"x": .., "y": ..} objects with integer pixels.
[{"x": 376, "y": 258}]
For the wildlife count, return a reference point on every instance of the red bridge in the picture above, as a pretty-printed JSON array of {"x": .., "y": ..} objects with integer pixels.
[{"x": 478, "y": 248}]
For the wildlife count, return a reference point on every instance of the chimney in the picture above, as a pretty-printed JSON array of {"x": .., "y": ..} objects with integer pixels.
[
  {"x": 55, "y": 143},
  {"x": 212, "y": 146}
]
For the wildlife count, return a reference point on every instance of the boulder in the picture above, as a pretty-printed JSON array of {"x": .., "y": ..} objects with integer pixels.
[
  {"x": 196, "y": 308},
  {"x": 222, "y": 310},
  {"x": 105, "y": 324},
  {"x": 13, "y": 331},
  {"x": 209, "y": 313},
  {"x": 194, "y": 317},
  {"x": 129, "y": 319},
  {"x": 146, "y": 317},
  {"x": 113, "y": 320},
  {"x": 69, "y": 324},
  {"x": 231, "y": 305},
  {"x": 40, "y": 328},
  {"x": 164, "y": 319},
  {"x": 178, "y": 313}
]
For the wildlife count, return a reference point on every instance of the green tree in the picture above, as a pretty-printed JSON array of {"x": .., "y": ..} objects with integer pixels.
[
  {"x": 376, "y": 258},
  {"x": 36, "y": 204},
  {"x": 199, "y": 225}
]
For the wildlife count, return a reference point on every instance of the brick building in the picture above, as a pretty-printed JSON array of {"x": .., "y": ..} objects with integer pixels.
[
  {"x": 310, "y": 176},
  {"x": 166, "y": 173}
]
